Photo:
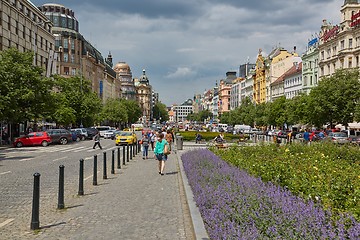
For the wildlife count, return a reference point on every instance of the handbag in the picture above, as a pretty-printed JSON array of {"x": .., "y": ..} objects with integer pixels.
[{"x": 166, "y": 149}]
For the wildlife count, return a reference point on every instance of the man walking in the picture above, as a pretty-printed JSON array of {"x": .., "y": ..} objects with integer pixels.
[{"x": 97, "y": 140}]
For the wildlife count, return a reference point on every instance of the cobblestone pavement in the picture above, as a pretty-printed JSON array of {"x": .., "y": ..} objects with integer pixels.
[{"x": 134, "y": 203}]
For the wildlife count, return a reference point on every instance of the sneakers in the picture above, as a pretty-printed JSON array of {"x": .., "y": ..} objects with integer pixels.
[{"x": 143, "y": 158}]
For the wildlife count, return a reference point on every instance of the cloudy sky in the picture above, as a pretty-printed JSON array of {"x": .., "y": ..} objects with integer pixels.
[{"x": 185, "y": 46}]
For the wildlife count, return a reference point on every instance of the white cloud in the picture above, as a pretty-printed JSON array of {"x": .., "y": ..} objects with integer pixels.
[{"x": 181, "y": 72}]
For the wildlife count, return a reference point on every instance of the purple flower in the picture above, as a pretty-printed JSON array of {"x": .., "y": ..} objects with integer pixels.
[{"x": 235, "y": 205}]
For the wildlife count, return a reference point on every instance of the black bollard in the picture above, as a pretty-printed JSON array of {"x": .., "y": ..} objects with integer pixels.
[
  {"x": 131, "y": 151},
  {"x": 61, "y": 204},
  {"x": 118, "y": 159},
  {"x": 95, "y": 171},
  {"x": 134, "y": 152},
  {"x": 104, "y": 168},
  {"x": 124, "y": 162},
  {"x": 81, "y": 178},
  {"x": 127, "y": 153},
  {"x": 113, "y": 162},
  {"x": 135, "y": 149},
  {"x": 35, "y": 222}
]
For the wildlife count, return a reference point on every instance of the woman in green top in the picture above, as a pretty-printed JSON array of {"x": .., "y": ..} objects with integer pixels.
[{"x": 159, "y": 152}]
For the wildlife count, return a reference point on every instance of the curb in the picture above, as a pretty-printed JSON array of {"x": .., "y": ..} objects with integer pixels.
[{"x": 197, "y": 221}]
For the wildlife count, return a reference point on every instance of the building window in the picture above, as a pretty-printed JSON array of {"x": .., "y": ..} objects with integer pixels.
[
  {"x": 328, "y": 53},
  {"x": 334, "y": 50},
  {"x": 322, "y": 55},
  {"x": 66, "y": 43},
  {"x": 357, "y": 61},
  {"x": 350, "y": 43},
  {"x": 66, "y": 57},
  {"x": 72, "y": 58},
  {"x": 73, "y": 71},
  {"x": 342, "y": 45},
  {"x": 350, "y": 62}
]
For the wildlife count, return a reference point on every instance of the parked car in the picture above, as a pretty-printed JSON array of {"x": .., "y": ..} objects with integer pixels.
[
  {"x": 61, "y": 136},
  {"x": 33, "y": 139},
  {"x": 102, "y": 129},
  {"x": 355, "y": 140},
  {"x": 124, "y": 137},
  {"x": 77, "y": 136},
  {"x": 110, "y": 134},
  {"x": 91, "y": 132},
  {"x": 83, "y": 131},
  {"x": 337, "y": 137}
]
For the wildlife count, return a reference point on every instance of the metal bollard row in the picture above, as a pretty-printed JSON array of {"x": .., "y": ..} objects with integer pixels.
[{"x": 132, "y": 150}]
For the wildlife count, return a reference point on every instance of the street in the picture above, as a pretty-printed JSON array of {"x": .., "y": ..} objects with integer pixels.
[{"x": 17, "y": 166}]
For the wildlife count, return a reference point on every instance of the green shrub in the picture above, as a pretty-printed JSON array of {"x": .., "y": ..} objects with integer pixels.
[
  {"x": 327, "y": 173},
  {"x": 208, "y": 136}
]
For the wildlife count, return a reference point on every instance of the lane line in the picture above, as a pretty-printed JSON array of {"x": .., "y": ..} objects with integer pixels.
[
  {"x": 23, "y": 160},
  {"x": 59, "y": 159},
  {"x": 90, "y": 176},
  {"x": 6, "y": 222},
  {"x": 3, "y": 173}
]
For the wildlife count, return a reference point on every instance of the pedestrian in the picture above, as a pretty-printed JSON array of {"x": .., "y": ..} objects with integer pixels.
[
  {"x": 306, "y": 136},
  {"x": 97, "y": 140},
  {"x": 152, "y": 140},
  {"x": 169, "y": 138},
  {"x": 161, "y": 151},
  {"x": 145, "y": 145}
]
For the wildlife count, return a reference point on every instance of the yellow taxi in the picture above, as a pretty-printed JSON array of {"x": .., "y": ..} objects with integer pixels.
[{"x": 125, "y": 137}]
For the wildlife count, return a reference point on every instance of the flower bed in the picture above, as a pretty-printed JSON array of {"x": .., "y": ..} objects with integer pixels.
[
  {"x": 326, "y": 173},
  {"x": 235, "y": 205}
]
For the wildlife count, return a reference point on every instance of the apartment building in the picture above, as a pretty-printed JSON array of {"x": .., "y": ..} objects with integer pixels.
[{"x": 24, "y": 27}]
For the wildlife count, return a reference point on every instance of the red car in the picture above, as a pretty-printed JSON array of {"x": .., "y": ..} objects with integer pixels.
[{"x": 33, "y": 139}]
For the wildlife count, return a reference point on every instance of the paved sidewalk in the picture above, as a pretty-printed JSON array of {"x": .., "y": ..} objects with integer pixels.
[{"x": 135, "y": 203}]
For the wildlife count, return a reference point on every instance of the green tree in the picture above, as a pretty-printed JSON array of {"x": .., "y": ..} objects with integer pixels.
[
  {"x": 76, "y": 100},
  {"x": 115, "y": 111},
  {"x": 160, "y": 111},
  {"x": 133, "y": 110},
  {"x": 335, "y": 99},
  {"x": 25, "y": 94}
]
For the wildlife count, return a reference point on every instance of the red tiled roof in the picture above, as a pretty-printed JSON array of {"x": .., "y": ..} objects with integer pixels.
[{"x": 292, "y": 71}]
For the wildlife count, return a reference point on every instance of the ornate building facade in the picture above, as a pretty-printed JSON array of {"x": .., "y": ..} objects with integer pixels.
[
  {"x": 124, "y": 75},
  {"x": 339, "y": 45},
  {"x": 144, "y": 97}
]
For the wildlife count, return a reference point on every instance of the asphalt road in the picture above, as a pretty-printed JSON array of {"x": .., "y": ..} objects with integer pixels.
[{"x": 17, "y": 166}]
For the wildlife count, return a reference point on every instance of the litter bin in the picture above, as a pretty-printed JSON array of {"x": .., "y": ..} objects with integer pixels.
[{"x": 179, "y": 142}]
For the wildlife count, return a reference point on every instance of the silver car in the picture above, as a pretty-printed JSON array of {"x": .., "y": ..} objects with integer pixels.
[{"x": 338, "y": 137}]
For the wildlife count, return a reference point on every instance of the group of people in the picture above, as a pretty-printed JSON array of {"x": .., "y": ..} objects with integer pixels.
[{"x": 161, "y": 145}]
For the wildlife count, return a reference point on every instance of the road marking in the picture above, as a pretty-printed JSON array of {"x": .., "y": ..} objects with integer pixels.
[
  {"x": 23, "y": 160},
  {"x": 59, "y": 159},
  {"x": 6, "y": 222},
  {"x": 3, "y": 173},
  {"x": 90, "y": 176},
  {"x": 73, "y": 149}
]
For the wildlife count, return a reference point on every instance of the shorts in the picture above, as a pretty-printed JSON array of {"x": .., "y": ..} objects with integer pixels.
[{"x": 161, "y": 157}]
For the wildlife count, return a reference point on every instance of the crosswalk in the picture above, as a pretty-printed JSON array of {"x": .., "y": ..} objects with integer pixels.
[{"x": 73, "y": 148}]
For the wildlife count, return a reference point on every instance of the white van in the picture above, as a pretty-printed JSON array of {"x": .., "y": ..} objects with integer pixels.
[{"x": 102, "y": 129}]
